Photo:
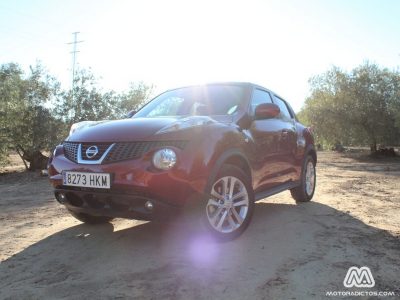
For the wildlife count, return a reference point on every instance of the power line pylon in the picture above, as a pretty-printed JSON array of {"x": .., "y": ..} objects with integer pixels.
[{"x": 74, "y": 43}]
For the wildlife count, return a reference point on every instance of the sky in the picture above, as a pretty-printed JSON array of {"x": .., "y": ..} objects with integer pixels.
[{"x": 276, "y": 44}]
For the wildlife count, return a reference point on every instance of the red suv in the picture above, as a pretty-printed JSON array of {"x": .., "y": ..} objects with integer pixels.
[{"x": 215, "y": 148}]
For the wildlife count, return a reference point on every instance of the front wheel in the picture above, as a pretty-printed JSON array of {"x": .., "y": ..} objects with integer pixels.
[
  {"x": 230, "y": 203},
  {"x": 89, "y": 219},
  {"x": 305, "y": 191}
]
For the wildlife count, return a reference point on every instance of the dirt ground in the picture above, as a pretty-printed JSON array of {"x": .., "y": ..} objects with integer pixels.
[{"x": 289, "y": 251}]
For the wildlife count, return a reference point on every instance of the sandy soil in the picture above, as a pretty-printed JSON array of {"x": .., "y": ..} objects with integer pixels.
[
  {"x": 288, "y": 252},
  {"x": 14, "y": 164}
]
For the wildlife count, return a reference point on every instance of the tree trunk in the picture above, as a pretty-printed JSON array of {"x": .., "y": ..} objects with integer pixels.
[
  {"x": 37, "y": 161},
  {"x": 373, "y": 143},
  {"x": 21, "y": 155},
  {"x": 373, "y": 148}
]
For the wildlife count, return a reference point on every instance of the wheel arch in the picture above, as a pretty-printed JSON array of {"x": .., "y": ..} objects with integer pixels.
[
  {"x": 311, "y": 151},
  {"x": 232, "y": 157}
]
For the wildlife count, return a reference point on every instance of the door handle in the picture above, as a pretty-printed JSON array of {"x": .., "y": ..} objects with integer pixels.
[{"x": 285, "y": 132}]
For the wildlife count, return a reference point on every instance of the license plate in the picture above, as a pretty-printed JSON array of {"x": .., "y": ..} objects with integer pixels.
[{"x": 86, "y": 179}]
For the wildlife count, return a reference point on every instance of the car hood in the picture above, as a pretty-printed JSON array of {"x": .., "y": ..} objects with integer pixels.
[{"x": 134, "y": 129}]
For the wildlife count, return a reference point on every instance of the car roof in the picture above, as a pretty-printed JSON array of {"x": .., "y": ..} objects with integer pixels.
[{"x": 239, "y": 83}]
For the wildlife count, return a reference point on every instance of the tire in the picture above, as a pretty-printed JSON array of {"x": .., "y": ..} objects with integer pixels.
[
  {"x": 89, "y": 219},
  {"x": 305, "y": 191},
  {"x": 226, "y": 217}
]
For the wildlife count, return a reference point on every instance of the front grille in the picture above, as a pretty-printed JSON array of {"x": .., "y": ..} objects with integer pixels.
[
  {"x": 124, "y": 151},
  {"x": 71, "y": 151},
  {"x": 119, "y": 152},
  {"x": 101, "y": 149}
]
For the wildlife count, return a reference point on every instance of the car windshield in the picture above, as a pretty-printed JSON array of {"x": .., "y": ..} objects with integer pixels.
[{"x": 195, "y": 101}]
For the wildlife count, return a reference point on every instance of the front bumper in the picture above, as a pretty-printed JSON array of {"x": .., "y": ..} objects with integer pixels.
[
  {"x": 115, "y": 204},
  {"x": 134, "y": 182}
]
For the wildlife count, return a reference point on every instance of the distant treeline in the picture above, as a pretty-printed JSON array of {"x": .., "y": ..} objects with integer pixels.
[
  {"x": 36, "y": 113},
  {"x": 360, "y": 107}
]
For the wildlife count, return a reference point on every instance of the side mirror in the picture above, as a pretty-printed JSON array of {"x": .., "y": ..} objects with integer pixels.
[
  {"x": 130, "y": 114},
  {"x": 267, "y": 111}
]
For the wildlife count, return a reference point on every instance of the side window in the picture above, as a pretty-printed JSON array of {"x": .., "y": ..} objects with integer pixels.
[
  {"x": 285, "y": 114},
  {"x": 259, "y": 97}
]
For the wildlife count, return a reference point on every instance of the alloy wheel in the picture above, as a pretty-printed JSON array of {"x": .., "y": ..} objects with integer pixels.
[
  {"x": 228, "y": 205},
  {"x": 310, "y": 178}
]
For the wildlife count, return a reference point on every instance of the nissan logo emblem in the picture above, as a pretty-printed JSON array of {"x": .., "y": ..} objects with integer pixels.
[{"x": 92, "y": 151}]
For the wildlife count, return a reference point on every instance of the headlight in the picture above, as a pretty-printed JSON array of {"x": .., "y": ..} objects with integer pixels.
[{"x": 164, "y": 159}]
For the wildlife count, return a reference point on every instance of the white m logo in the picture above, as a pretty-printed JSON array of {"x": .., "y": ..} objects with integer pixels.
[{"x": 359, "y": 277}]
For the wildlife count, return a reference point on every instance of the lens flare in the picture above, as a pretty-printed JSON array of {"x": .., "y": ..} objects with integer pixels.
[{"x": 203, "y": 251}]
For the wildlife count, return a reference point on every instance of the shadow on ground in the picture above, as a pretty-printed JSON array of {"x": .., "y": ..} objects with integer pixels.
[{"x": 289, "y": 251}]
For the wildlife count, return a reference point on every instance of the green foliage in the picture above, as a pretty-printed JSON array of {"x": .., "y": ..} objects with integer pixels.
[
  {"x": 137, "y": 95},
  {"x": 361, "y": 107},
  {"x": 85, "y": 101},
  {"x": 26, "y": 124},
  {"x": 10, "y": 87},
  {"x": 35, "y": 114}
]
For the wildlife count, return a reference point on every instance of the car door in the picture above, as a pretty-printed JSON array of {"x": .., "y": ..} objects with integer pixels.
[
  {"x": 266, "y": 135},
  {"x": 287, "y": 142}
]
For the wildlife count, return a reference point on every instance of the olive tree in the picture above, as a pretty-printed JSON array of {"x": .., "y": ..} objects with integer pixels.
[
  {"x": 356, "y": 108},
  {"x": 26, "y": 121}
]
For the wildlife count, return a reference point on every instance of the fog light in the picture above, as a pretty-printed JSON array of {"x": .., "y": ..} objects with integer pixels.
[
  {"x": 164, "y": 159},
  {"x": 61, "y": 198},
  {"x": 149, "y": 205}
]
